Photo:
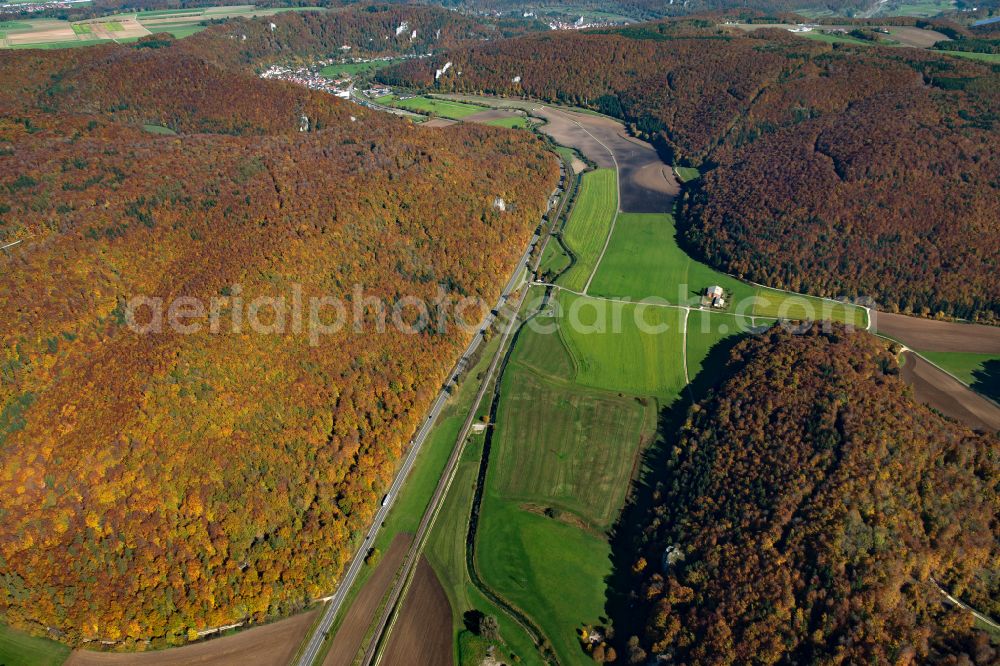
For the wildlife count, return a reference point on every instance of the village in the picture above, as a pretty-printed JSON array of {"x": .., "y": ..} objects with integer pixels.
[{"x": 336, "y": 77}]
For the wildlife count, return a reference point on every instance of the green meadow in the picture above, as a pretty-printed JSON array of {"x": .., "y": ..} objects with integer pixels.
[
  {"x": 589, "y": 223},
  {"x": 437, "y": 107},
  {"x": 514, "y": 122},
  {"x": 644, "y": 261},
  {"x": 19, "y": 649},
  {"x": 339, "y": 69},
  {"x": 570, "y": 425}
]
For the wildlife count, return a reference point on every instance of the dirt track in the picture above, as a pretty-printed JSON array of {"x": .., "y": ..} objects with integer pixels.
[
  {"x": 423, "y": 633},
  {"x": 268, "y": 645},
  {"x": 944, "y": 336},
  {"x": 943, "y": 392},
  {"x": 347, "y": 641}
]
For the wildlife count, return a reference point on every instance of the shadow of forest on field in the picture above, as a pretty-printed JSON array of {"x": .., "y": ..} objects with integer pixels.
[
  {"x": 626, "y": 537},
  {"x": 987, "y": 380}
]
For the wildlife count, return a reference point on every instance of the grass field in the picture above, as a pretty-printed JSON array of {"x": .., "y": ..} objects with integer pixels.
[
  {"x": 81, "y": 28},
  {"x": 437, "y": 107},
  {"x": 17, "y": 649},
  {"x": 552, "y": 571},
  {"x": 554, "y": 259},
  {"x": 980, "y": 371},
  {"x": 71, "y": 45},
  {"x": 515, "y": 122},
  {"x": 159, "y": 129},
  {"x": 552, "y": 446},
  {"x": 355, "y": 68},
  {"x": 984, "y": 57},
  {"x": 916, "y": 8},
  {"x": 569, "y": 429},
  {"x": 446, "y": 553},
  {"x": 181, "y": 30},
  {"x": 644, "y": 261},
  {"x": 705, "y": 330},
  {"x": 589, "y": 223},
  {"x": 624, "y": 347},
  {"x": 686, "y": 174}
]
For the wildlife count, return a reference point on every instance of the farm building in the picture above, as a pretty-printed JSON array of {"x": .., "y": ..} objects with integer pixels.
[{"x": 714, "y": 296}]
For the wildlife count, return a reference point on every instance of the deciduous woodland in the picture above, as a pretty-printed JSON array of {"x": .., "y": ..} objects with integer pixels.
[
  {"x": 809, "y": 512},
  {"x": 857, "y": 172},
  {"x": 154, "y": 485},
  {"x": 370, "y": 31}
]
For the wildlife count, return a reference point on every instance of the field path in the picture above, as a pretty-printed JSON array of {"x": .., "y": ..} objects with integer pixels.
[{"x": 684, "y": 345}]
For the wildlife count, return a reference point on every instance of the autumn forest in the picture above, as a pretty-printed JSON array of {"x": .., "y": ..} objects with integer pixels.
[
  {"x": 157, "y": 485},
  {"x": 790, "y": 502}
]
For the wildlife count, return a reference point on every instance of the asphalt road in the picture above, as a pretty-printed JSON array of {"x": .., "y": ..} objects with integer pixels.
[{"x": 315, "y": 643}]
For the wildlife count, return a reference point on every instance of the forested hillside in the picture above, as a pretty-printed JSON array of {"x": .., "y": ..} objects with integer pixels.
[
  {"x": 859, "y": 172},
  {"x": 152, "y": 485},
  {"x": 369, "y": 31},
  {"x": 808, "y": 512}
]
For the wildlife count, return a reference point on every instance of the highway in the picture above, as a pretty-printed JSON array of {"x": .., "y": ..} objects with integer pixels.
[{"x": 315, "y": 644}]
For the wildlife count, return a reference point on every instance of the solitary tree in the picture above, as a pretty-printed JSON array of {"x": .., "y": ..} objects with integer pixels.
[{"x": 489, "y": 629}]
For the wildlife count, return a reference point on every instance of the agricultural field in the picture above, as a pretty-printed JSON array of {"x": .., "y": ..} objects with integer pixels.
[
  {"x": 551, "y": 570},
  {"x": 122, "y": 28},
  {"x": 980, "y": 371},
  {"x": 573, "y": 417},
  {"x": 446, "y": 553},
  {"x": 19, "y": 649},
  {"x": 589, "y": 224},
  {"x": 644, "y": 261},
  {"x": 709, "y": 336},
  {"x": 619, "y": 346},
  {"x": 565, "y": 448},
  {"x": 437, "y": 107},
  {"x": 919, "y": 8},
  {"x": 569, "y": 430}
]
